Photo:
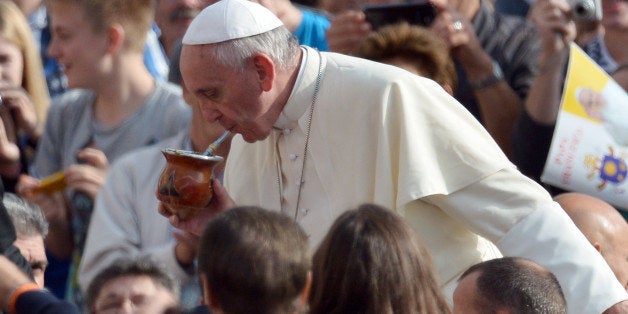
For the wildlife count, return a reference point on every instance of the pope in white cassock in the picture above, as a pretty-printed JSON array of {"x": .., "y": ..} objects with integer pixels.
[{"x": 320, "y": 133}]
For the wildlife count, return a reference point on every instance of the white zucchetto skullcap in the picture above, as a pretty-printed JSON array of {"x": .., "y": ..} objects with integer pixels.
[{"x": 230, "y": 19}]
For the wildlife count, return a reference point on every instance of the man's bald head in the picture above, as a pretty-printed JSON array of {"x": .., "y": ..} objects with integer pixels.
[
  {"x": 603, "y": 226},
  {"x": 597, "y": 219}
]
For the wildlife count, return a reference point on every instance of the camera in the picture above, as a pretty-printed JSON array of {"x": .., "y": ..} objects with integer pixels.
[{"x": 586, "y": 10}]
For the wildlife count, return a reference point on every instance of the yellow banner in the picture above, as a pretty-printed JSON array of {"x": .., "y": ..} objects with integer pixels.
[{"x": 590, "y": 143}]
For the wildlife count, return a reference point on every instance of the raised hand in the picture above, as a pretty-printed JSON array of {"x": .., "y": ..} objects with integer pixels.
[
  {"x": 54, "y": 207},
  {"x": 90, "y": 175},
  {"x": 220, "y": 202},
  {"x": 554, "y": 24},
  {"x": 22, "y": 109},
  {"x": 458, "y": 33},
  {"x": 52, "y": 204},
  {"x": 9, "y": 154},
  {"x": 347, "y": 31}
]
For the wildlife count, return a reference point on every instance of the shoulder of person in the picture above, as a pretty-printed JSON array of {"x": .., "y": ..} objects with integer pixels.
[
  {"x": 169, "y": 95},
  {"x": 515, "y": 26},
  {"x": 70, "y": 104},
  {"x": 73, "y": 98},
  {"x": 344, "y": 69},
  {"x": 147, "y": 154},
  {"x": 169, "y": 89}
]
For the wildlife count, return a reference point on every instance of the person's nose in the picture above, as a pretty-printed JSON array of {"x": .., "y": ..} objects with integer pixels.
[
  {"x": 210, "y": 113},
  {"x": 194, "y": 4},
  {"x": 53, "y": 49},
  {"x": 126, "y": 308}
]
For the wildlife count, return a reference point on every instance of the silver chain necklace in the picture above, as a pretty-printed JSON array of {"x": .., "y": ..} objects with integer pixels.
[{"x": 307, "y": 141}]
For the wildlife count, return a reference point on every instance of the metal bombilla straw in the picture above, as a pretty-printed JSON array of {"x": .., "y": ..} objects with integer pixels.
[{"x": 212, "y": 147}]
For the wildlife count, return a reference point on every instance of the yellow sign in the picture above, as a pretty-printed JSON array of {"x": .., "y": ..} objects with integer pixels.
[{"x": 590, "y": 144}]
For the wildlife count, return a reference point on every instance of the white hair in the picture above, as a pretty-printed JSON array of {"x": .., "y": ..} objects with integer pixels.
[
  {"x": 279, "y": 44},
  {"x": 27, "y": 218}
]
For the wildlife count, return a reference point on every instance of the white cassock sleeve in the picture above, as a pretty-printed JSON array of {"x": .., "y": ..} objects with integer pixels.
[{"x": 525, "y": 222}]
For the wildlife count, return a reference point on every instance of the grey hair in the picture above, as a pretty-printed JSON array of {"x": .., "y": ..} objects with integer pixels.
[
  {"x": 279, "y": 44},
  {"x": 27, "y": 218}
]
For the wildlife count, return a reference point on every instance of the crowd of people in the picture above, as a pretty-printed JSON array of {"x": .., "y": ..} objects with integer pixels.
[{"x": 388, "y": 170}]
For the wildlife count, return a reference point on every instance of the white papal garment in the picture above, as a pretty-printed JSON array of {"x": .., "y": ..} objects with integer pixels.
[{"x": 382, "y": 135}]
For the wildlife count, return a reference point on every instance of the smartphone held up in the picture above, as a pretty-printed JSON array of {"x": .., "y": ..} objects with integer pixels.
[{"x": 420, "y": 13}]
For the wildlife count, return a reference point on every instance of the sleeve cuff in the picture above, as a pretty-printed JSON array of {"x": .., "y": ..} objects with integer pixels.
[{"x": 18, "y": 292}]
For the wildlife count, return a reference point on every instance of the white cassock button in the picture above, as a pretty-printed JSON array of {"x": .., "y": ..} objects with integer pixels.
[
  {"x": 287, "y": 131},
  {"x": 293, "y": 157}
]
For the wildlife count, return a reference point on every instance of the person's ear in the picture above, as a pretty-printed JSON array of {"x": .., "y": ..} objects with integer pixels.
[
  {"x": 598, "y": 247},
  {"x": 448, "y": 89},
  {"x": 305, "y": 294},
  {"x": 265, "y": 68},
  {"x": 115, "y": 38}
]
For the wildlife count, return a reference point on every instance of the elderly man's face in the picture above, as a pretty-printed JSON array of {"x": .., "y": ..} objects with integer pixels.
[
  {"x": 32, "y": 248},
  {"x": 174, "y": 16},
  {"x": 236, "y": 100},
  {"x": 592, "y": 102}
]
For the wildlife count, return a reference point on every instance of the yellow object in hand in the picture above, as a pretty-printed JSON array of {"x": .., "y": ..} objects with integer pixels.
[{"x": 52, "y": 183}]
